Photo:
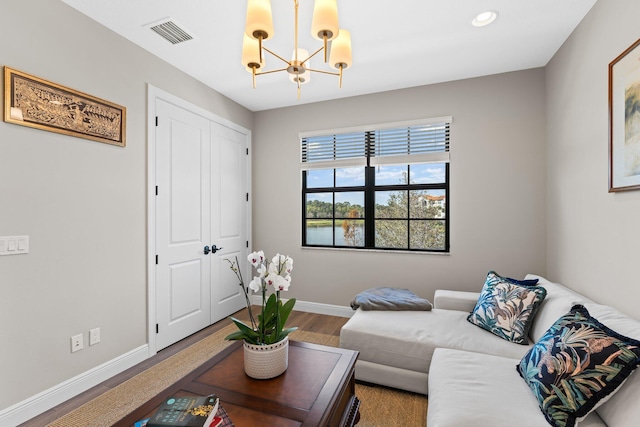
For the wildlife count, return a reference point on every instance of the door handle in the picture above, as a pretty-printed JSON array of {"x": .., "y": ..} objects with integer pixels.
[{"x": 213, "y": 249}]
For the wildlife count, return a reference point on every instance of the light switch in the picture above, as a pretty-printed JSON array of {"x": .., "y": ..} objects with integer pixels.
[{"x": 14, "y": 245}]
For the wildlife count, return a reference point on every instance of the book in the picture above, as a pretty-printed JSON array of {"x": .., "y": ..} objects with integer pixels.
[
  {"x": 186, "y": 411},
  {"x": 221, "y": 419}
]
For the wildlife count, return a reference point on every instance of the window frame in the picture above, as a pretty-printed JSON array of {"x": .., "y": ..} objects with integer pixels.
[{"x": 370, "y": 188}]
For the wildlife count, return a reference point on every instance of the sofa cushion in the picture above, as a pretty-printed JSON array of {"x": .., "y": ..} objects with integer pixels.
[
  {"x": 472, "y": 389},
  {"x": 575, "y": 365},
  {"x": 557, "y": 303},
  {"x": 506, "y": 308},
  {"x": 407, "y": 339}
]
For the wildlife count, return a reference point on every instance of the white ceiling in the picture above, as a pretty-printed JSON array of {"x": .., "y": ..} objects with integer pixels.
[{"x": 396, "y": 44}]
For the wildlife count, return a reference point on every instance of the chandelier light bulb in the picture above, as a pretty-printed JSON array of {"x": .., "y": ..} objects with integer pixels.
[
  {"x": 325, "y": 20},
  {"x": 341, "y": 50},
  {"x": 259, "y": 24}
]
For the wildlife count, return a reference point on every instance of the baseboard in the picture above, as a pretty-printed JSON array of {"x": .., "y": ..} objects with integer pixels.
[
  {"x": 331, "y": 310},
  {"x": 314, "y": 307},
  {"x": 64, "y": 391}
]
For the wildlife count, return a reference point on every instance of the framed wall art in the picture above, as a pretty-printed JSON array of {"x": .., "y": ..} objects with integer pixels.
[
  {"x": 624, "y": 120},
  {"x": 38, "y": 103}
]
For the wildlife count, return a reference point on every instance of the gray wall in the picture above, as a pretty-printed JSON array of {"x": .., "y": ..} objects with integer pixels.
[
  {"x": 497, "y": 187},
  {"x": 592, "y": 235},
  {"x": 528, "y": 178},
  {"x": 82, "y": 203}
]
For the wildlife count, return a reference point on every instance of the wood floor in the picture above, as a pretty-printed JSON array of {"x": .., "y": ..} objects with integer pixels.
[{"x": 310, "y": 322}]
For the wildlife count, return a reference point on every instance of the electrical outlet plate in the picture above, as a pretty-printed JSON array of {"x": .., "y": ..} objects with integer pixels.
[
  {"x": 94, "y": 336},
  {"x": 76, "y": 343}
]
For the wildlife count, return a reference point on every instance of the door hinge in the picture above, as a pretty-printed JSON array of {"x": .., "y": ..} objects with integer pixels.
[
  {"x": 247, "y": 243},
  {"x": 247, "y": 197},
  {"x": 156, "y": 120},
  {"x": 247, "y": 151},
  {"x": 156, "y": 259},
  {"x": 156, "y": 190},
  {"x": 157, "y": 328}
]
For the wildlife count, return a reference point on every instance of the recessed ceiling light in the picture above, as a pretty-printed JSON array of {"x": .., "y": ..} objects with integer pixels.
[{"x": 484, "y": 18}]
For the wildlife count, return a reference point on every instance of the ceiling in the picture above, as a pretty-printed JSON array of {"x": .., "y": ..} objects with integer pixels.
[{"x": 396, "y": 44}]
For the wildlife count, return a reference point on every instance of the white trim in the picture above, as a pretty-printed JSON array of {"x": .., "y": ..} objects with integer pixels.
[
  {"x": 328, "y": 309},
  {"x": 331, "y": 164},
  {"x": 378, "y": 126},
  {"x": 439, "y": 157},
  {"x": 41, "y": 402},
  {"x": 312, "y": 307},
  {"x": 154, "y": 93}
]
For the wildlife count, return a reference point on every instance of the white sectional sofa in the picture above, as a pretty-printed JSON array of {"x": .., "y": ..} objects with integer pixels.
[{"x": 469, "y": 373}]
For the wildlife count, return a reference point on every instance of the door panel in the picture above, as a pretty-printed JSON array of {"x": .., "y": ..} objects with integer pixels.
[
  {"x": 228, "y": 218},
  {"x": 183, "y": 271},
  {"x": 186, "y": 174},
  {"x": 185, "y": 290}
]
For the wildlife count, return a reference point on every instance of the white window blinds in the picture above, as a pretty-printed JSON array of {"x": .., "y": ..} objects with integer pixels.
[{"x": 410, "y": 142}]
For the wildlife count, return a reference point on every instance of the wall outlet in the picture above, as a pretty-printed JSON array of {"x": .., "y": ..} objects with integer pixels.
[
  {"x": 76, "y": 343},
  {"x": 94, "y": 336}
]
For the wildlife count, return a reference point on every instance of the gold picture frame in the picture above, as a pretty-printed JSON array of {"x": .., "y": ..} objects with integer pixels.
[
  {"x": 624, "y": 120},
  {"x": 41, "y": 104}
]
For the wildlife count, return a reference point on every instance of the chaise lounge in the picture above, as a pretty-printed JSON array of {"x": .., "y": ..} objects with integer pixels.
[{"x": 472, "y": 375}]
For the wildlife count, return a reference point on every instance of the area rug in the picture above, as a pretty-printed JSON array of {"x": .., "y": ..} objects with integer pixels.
[{"x": 379, "y": 406}]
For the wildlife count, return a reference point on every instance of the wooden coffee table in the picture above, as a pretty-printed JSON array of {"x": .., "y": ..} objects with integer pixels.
[{"x": 317, "y": 389}]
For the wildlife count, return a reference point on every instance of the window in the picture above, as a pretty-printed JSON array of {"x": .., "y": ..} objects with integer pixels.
[{"x": 383, "y": 187}]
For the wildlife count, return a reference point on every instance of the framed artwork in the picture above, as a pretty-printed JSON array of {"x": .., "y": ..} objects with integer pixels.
[
  {"x": 38, "y": 103},
  {"x": 624, "y": 120}
]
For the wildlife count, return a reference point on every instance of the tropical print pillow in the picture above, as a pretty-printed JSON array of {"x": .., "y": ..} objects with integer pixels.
[
  {"x": 506, "y": 308},
  {"x": 576, "y": 364}
]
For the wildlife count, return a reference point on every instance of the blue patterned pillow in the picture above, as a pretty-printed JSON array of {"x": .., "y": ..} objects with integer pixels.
[
  {"x": 506, "y": 309},
  {"x": 575, "y": 365}
]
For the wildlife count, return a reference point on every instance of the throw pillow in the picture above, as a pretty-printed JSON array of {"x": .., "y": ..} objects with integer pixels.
[
  {"x": 506, "y": 309},
  {"x": 576, "y": 366},
  {"x": 529, "y": 282}
]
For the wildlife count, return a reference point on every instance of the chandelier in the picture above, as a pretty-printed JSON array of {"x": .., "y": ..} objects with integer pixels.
[{"x": 259, "y": 27}]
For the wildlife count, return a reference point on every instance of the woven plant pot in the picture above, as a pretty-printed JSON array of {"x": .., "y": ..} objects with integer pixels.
[{"x": 266, "y": 361}]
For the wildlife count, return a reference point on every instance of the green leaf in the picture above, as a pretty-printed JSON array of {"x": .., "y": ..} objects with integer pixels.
[
  {"x": 244, "y": 329},
  {"x": 286, "y": 332},
  {"x": 237, "y": 335}
]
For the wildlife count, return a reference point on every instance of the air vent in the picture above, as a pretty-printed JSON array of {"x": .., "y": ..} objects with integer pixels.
[{"x": 171, "y": 31}]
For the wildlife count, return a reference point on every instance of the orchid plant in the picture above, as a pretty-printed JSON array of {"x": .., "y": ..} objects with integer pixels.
[{"x": 273, "y": 277}]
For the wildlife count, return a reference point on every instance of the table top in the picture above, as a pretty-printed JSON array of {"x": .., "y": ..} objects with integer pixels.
[{"x": 308, "y": 393}]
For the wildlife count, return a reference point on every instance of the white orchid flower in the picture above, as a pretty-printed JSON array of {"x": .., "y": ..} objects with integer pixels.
[
  {"x": 262, "y": 271},
  {"x": 256, "y": 258},
  {"x": 281, "y": 284},
  {"x": 256, "y": 284},
  {"x": 288, "y": 265}
]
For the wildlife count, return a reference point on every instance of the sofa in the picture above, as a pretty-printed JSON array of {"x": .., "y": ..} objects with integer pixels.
[{"x": 474, "y": 376}]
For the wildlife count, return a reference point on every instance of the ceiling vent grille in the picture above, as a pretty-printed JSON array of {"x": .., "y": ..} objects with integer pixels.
[{"x": 171, "y": 32}]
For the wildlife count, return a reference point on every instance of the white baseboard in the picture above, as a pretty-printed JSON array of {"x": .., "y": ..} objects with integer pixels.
[
  {"x": 313, "y": 307},
  {"x": 332, "y": 310},
  {"x": 41, "y": 402}
]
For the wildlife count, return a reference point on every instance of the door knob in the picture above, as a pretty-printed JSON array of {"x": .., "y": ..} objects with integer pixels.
[
  {"x": 215, "y": 249},
  {"x": 206, "y": 250}
]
